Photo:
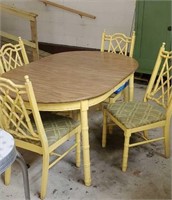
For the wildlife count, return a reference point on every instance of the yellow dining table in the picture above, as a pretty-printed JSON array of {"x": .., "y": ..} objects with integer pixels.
[{"x": 77, "y": 80}]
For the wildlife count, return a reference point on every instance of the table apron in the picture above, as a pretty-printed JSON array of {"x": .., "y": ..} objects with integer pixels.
[{"x": 91, "y": 102}]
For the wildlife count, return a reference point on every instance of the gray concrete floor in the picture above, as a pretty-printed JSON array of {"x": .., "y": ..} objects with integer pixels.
[{"x": 148, "y": 175}]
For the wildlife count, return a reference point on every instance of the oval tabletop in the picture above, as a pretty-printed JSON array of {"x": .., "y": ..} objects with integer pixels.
[
  {"x": 74, "y": 76},
  {"x": 7, "y": 150}
]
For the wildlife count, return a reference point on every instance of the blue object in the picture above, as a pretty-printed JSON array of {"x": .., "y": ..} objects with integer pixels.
[{"x": 121, "y": 88}]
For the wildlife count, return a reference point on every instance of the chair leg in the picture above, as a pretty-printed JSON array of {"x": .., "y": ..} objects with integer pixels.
[
  {"x": 145, "y": 134},
  {"x": 44, "y": 181},
  {"x": 131, "y": 88},
  {"x": 115, "y": 98},
  {"x": 126, "y": 96},
  {"x": 23, "y": 166},
  {"x": 7, "y": 176},
  {"x": 104, "y": 133},
  {"x": 166, "y": 132},
  {"x": 99, "y": 107},
  {"x": 78, "y": 149},
  {"x": 126, "y": 149},
  {"x": 110, "y": 128}
]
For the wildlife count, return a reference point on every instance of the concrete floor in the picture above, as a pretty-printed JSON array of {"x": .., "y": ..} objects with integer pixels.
[{"x": 148, "y": 175}]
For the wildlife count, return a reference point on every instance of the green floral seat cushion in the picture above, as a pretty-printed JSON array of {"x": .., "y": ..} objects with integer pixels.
[
  {"x": 56, "y": 126},
  {"x": 135, "y": 114}
]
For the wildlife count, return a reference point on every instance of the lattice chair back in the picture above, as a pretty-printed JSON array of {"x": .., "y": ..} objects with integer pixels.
[
  {"x": 118, "y": 43},
  {"x": 12, "y": 56},
  {"x": 140, "y": 117},
  {"x": 41, "y": 134},
  {"x": 159, "y": 88},
  {"x": 16, "y": 117}
]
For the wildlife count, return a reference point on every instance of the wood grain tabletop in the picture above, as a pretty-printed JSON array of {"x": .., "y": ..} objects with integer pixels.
[{"x": 74, "y": 76}]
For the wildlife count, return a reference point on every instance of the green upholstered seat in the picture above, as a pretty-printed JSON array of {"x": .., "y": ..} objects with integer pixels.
[
  {"x": 135, "y": 114},
  {"x": 56, "y": 126},
  {"x": 154, "y": 111},
  {"x": 39, "y": 132}
]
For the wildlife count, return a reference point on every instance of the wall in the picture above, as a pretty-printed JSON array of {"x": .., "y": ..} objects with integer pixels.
[{"x": 62, "y": 27}]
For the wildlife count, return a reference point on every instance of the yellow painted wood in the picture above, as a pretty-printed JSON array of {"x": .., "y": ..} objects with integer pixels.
[
  {"x": 68, "y": 9},
  {"x": 131, "y": 88},
  {"x": 127, "y": 135},
  {"x": 17, "y": 121},
  {"x": 12, "y": 56},
  {"x": 121, "y": 44},
  {"x": 159, "y": 91},
  {"x": 85, "y": 136},
  {"x": 104, "y": 129},
  {"x": 7, "y": 176}
]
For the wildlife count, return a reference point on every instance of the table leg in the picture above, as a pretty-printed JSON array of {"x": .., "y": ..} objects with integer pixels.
[
  {"x": 131, "y": 88},
  {"x": 85, "y": 142}
]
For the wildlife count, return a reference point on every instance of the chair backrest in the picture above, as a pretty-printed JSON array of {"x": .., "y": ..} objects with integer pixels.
[
  {"x": 16, "y": 118},
  {"x": 12, "y": 56},
  {"x": 118, "y": 43},
  {"x": 159, "y": 88}
]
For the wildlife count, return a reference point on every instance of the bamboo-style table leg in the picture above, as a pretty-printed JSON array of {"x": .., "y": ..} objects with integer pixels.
[
  {"x": 131, "y": 88},
  {"x": 85, "y": 142}
]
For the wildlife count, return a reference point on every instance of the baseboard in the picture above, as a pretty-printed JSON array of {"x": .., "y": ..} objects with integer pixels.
[{"x": 57, "y": 48}]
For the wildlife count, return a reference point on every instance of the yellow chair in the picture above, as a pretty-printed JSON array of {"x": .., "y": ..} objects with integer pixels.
[
  {"x": 154, "y": 112},
  {"x": 121, "y": 44},
  {"x": 12, "y": 56},
  {"x": 41, "y": 133}
]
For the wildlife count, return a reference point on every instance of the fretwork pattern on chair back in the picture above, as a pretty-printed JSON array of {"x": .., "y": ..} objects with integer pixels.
[
  {"x": 12, "y": 56},
  {"x": 118, "y": 43},
  {"x": 16, "y": 118},
  {"x": 160, "y": 85},
  {"x": 22, "y": 119}
]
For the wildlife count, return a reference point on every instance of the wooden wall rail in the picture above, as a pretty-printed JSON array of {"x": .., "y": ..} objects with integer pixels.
[
  {"x": 68, "y": 9},
  {"x": 33, "y": 25}
]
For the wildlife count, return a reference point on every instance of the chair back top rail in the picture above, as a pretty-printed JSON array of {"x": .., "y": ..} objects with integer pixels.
[
  {"x": 17, "y": 118},
  {"x": 118, "y": 43},
  {"x": 12, "y": 56},
  {"x": 160, "y": 85}
]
